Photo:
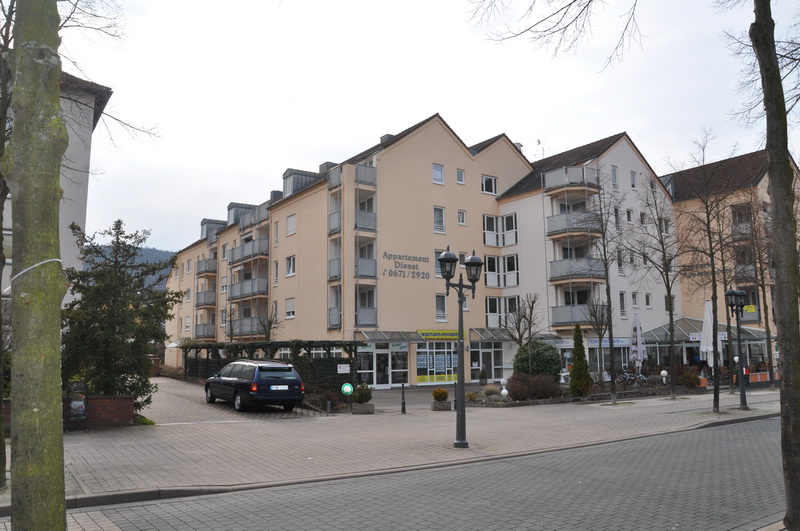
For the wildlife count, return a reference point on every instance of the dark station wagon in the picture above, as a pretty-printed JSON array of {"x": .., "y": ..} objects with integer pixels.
[{"x": 249, "y": 383}]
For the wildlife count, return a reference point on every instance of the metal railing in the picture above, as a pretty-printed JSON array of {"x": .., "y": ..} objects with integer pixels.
[
  {"x": 577, "y": 268},
  {"x": 257, "y": 247}
]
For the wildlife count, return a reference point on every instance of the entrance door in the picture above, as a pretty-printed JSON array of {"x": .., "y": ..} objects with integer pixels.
[{"x": 382, "y": 370}]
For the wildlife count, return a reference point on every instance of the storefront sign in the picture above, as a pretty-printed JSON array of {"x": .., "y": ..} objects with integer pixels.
[
  {"x": 618, "y": 342},
  {"x": 439, "y": 335},
  {"x": 343, "y": 368},
  {"x": 405, "y": 266}
]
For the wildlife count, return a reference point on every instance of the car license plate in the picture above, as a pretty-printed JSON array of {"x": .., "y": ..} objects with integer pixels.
[{"x": 278, "y": 387}]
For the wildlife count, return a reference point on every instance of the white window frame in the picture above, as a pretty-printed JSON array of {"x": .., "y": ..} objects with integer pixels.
[
  {"x": 623, "y": 311},
  {"x": 438, "y": 174},
  {"x": 633, "y": 180},
  {"x": 277, "y": 234},
  {"x": 441, "y": 227},
  {"x": 489, "y": 184},
  {"x": 462, "y": 217},
  {"x": 291, "y": 265},
  {"x": 634, "y": 299},
  {"x": 437, "y": 268},
  {"x": 614, "y": 178},
  {"x": 290, "y": 308},
  {"x": 629, "y": 216},
  {"x": 509, "y": 234},
  {"x": 648, "y": 300},
  {"x": 441, "y": 308},
  {"x": 189, "y": 266},
  {"x": 491, "y": 237},
  {"x": 188, "y": 295},
  {"x": 224, "y": 251},
  {"x": 275, "y": 274},
  {"x": 187, "y": 323},
  {"x": 460, "y": 176},
  {"x": 223, "y": 318},
  {"x": 223, "y": 285},
  {"x": 291, "y": 224}
]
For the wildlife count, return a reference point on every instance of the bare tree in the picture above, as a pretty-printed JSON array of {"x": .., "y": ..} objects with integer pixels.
[
  {"x": 597, "y": 312},
  {"x": 523, "y": 323}
]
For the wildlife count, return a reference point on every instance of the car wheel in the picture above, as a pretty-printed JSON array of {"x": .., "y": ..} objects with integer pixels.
[
  {"x": 210, "y": 398},
  {"x": 288, "y": 407},
  {"x": 238, "y": 405}
]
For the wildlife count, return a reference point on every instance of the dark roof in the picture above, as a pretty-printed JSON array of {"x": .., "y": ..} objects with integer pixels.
[
  {"x": 579, "y": 155},
  {"x": 101, "y": 93},
  {"x": 717, "y": 178}
]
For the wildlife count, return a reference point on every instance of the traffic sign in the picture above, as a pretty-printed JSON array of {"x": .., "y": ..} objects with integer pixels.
[{"x": 347, "y": 389}]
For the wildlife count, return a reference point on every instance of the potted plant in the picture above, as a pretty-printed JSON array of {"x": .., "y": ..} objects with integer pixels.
[
  {"x": 440, "y": 401},
  {"x": 361, "y": 397},
  {"x": 482, "y": 377}
]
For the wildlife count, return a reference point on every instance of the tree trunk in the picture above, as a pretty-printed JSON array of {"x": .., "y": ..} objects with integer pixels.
[
  {"x": 32, "y": 163},
  {"x": 762, "y": 35}
]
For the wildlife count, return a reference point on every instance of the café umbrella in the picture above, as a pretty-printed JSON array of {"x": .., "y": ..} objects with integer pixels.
[
  {"x": 707, "y": 338},
  {"x": 638, "y": 349}
]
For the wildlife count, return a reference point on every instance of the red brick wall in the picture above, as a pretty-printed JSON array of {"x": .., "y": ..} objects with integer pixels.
[{"x": 103, "y": 412}]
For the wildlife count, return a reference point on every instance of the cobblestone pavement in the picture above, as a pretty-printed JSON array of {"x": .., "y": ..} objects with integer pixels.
[{"x": 202, "y": 448}]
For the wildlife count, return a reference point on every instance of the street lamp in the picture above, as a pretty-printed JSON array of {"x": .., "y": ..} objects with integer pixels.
[
  {"x": 736, "y": 298},
  {"x": 447, "y": 264}
]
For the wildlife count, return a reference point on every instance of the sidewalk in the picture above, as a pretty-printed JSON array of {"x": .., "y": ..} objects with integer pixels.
[{"x": 199, "y": 448}]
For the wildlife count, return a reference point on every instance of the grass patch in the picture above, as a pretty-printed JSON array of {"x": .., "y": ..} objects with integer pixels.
[{"x": 139, "y": 420}]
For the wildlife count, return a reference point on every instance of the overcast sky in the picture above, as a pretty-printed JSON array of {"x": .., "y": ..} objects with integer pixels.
[{"x": 239, "y": 91}]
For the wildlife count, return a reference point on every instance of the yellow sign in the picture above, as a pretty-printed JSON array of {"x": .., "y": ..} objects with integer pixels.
[
  {"x": 750, "y": 308},
  {"x": 435, "y": 378},
  {"x": 439, "y": 335}
]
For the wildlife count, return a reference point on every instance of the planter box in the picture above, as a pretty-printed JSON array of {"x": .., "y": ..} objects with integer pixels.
[
  {"x": 442, "y": 405},
  {"x": 363, "y": 409}
]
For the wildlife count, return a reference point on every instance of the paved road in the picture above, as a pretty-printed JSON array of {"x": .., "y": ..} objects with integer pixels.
[
  {"x": 675, "y": 481},
  {"x": 198, "y": 447}
]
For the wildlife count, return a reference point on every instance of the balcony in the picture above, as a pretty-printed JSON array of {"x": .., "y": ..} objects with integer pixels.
[
  {"x": 366, "y": 268},
  {"x": 334, "y": 222},
  {"x": 366, "y": 220},
  {"x": 247, "y": 326},
  {"x": 334, "y": 269},
  {"x": 254, "y": 287},
  {"x": 576, "y": 269},
  {"x": 572, "y": 177},
  {"x": 366, "y": 316},
  {"x": 251, "y": 249},
  {"x": 205, "y": 331},
  {"x": 205, "y": 298},
  {"x": 334, "y": 317},
  {"x": 581, "y": 222},
  {"x": 752, "y": 317},
  {"x": 334, "y": 177},
  {"x": 366, "y": 174},
  {"x": 742, "y": 231},
  {"x": 206, "y": 267},
  {"x": 745, "y": 273},
  {"x": 569, "y": 315}
]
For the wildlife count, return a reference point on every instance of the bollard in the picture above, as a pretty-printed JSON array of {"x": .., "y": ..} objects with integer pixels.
[
  {"x": 328, "y": 408},
  {"x": 403, "y": 398}
]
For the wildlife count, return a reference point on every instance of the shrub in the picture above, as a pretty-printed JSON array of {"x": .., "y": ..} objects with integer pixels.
[
  {"x": 543, "y": 386},
  {"x": 472, "y": 397},
  {"x": 439, "y": 394},
  {"x": 518, "y": 388},
  {"x": 320, "y": 400},
  {"x": 689, "y": 379},
  {"x": 538, "y": 357},
  {"x": 362, "y": 394},
  {"x": 654, "y": 380},
  {"x": 491, "y": 390}
]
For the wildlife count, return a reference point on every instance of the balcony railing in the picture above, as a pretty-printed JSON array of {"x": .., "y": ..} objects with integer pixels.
[
  {"x": 745, "y": 273},
  {"x": 367, "y": 268},
  {"x": 205, "y": 298},
  {"x": 334, "y": 268},
  {"x": 752, "y": 317},
  {"x": 334, "y": 317},
  {"x": 247, "y": 326},
  {"x": 577, "y": 268},
  {"x": 367, "y": 316},
  {"x": 253, "y": 248},
  {"x": 571, "y": 314},
  {"x": 742, "y": 231},
  {"x": 205, "y": 331},
  {"x": 366, "y": 220},
  {"x": 574, "y": 222},
  {"x": 335, "y": 177},
  {"x": 248, "y": 288},
  {"x": 571, "y": 176},
  {"x": 207, "y": 266},
  {"x": 366, "y": 174},
  {"x": 334, "y": 222}
]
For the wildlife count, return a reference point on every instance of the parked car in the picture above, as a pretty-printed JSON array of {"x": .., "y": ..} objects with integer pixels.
[{"x": 248, "y": 383}]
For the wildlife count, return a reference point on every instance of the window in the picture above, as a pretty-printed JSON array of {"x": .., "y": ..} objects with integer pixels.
[
  {"x": 460, "y": 176},
  {"x": 511, "y": 270},
  {"x": 223, "y": 318},
  {"x": 438, "y": 220},
  {"x": 617, "y": 222},
  {"x": 366, "y": 299},
  {"x": 290, "y": 266},
  {"x": 500, "y": 231},
  {"x": 622, "y": 311},
  {"x": 629, "y": 215},
  {"x": 642, "y": 218},
  {"x": 632, "y": 258},
  {"x": 188, "y": 295},
  {"x": 488, "y": 185},
  {"x": 501, "y": 271},
  {"x": 614, "y": 182},
  {"x": 441, "y": 308},
  {"x": 462, "y": 259},
  {"x": 492, "y": 272},
  {"x": 189, "y": 265},
  {"x": 462, "y": 217},
  {"x": 620, "y": 268},
  {"x": 290, "y": 308},
  {"x": 663, "y": 225},
  {"x": 224, "y": 251},
  {"x": 291, "y": 224},
  {"x": 635, "y": 299},
  {"x": 438, "y": 174},
  {"x": 175, "y": 272},
  {"x": 633, "y": 179},
  {"x": 183, "y": 267},
  {"x": 275, "y": 273},
  {"x": 576, "y": 297},
  {"x": 647, "y": 300},
  {"x": 223, "y": 285},
  {"x": 276, "y": 234},
  {"x": 187, "y": 323},
  {"x": 491, "y": 235},
  {"x": 437, "y": 266},
  {"x": 509, "y": 229}
]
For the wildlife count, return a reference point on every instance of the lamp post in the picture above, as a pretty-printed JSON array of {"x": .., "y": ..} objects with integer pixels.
[
  {"x": 448, "y": 262},
  {"x": 736, "y": 298}
]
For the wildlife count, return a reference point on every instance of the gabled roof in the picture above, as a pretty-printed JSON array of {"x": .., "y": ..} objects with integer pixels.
[
  {"x": 101, "y": 93},
  {"x": 573, "y": 157},
  {"x": 716, "y": 178}
]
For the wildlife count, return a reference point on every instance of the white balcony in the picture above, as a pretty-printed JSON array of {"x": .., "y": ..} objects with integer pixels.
[{"x": 577, "y": 268}]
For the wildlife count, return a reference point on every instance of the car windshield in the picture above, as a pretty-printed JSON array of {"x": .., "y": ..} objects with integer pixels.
[{"x": 286, "y": 373}]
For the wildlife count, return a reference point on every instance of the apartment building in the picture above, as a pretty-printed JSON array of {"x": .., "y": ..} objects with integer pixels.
[{"x": 82, "y": 105}]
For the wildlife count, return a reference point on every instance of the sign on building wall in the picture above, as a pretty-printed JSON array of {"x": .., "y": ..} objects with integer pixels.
[
  {"x": 439, "y": 335},
  {"x": 405, "y": 266}
]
